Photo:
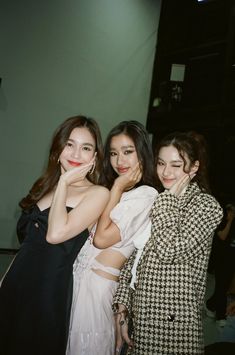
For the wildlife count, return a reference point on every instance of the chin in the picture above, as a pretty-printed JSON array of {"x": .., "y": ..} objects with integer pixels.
[{"x": 167, "y": 186}]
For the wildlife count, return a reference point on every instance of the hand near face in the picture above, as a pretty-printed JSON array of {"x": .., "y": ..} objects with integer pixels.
[
  {"x": 128, "y": 180},
  {"x": 181, "y": 184},
  {"x": 77, "y": 174}
]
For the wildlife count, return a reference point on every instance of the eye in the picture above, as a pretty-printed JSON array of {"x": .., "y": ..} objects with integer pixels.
[
  {"x": 69, "y": 144},
  {"x": 87, "y": 148},
  {"x": 160, "y": 163},
  {"x": 176, "y": 166},
  {"x": 128, "y": 151},
  {"x": 112, "y": 154}
]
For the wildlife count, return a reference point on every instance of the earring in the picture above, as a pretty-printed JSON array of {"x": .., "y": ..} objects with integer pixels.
[
  {"x": 58, "y": 161},
  {"x": 91, "y": 171}
]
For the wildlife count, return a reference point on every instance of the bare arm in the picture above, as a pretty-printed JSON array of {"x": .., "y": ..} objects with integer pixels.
[
  {"x": 107, "y": 233},
  {"x": 64, "y": 225}
]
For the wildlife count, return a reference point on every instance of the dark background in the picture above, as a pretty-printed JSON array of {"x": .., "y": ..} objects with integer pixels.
[{"x": 201, "y": 36}]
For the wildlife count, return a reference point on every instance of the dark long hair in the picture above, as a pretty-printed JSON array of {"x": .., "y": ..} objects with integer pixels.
[
  {"x": 49, "y": 179},
  {"x": 194, "y": 146},
  {"x": 136, "y": 131}
]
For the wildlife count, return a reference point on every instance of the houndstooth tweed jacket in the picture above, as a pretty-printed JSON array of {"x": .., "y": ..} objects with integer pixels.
[{"x": 167, "y": 301}]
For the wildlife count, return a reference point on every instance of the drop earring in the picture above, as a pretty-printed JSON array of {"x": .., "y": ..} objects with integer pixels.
[{"x": 91, "y": 171}]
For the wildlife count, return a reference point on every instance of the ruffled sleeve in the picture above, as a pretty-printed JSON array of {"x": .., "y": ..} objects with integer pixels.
[{"x": 131, "y": 214}]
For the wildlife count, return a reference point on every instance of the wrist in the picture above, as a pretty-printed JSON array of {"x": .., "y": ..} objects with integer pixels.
[
  {"x": 62, "y": 181},
  {"x": 117, "y": 188}
]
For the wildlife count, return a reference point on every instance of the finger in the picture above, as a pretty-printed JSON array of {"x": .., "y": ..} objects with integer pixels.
[
  {"x": 83, "y": 169},
  {"x": 118, "y": 332},
  {"x": 124, "y": 332},
  {"x": 119, "y": 344},
  {"x": 136, "y": 168},
  {"x": 137, "y": 165},
  {"x": 183, "y": 181},
  {"x": 137, "y": 173}
]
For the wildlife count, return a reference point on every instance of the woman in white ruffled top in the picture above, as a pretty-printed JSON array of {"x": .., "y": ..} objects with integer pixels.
[{"x": 123, "y": 226}]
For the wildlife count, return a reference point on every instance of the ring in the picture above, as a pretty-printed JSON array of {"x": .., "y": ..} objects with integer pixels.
[{"x": 122, "y": 322}]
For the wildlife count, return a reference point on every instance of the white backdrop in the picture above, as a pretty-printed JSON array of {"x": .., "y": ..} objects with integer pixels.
[{"x": 60, "y": 58}]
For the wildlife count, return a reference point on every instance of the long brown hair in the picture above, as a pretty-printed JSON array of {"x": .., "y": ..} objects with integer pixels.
[
  {"x": 48, "y": 180},
  {"x": 194, "y": 146}
]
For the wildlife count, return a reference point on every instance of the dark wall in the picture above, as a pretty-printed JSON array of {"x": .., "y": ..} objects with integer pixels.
[{"x": 201, "y": 37}]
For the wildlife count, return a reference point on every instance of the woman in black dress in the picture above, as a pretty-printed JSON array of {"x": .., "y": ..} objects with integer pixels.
[{"x": 57, "y": 214}]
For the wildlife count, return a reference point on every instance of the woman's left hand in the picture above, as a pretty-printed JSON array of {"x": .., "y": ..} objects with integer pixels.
[
  {"x": 181, "y": 184},
  {"x": 130, "y": 179},
  {"x": 77, "y": 174}
]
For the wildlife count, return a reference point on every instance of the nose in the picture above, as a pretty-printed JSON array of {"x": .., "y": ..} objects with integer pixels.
[
  {"x": 76, "y": 152},
  {"x": 120, "y": 159},
  {"x": 166, "y": 171}
]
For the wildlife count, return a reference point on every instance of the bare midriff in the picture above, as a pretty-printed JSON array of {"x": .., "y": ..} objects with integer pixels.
[
  {"x": 105, "y": 274},
  {"x": 109, "y": 258}
]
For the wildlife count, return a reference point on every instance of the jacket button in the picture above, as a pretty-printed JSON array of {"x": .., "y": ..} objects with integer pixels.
[{"x": 171, "y": 317}]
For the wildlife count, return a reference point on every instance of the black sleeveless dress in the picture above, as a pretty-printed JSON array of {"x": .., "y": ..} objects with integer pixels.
[{"x": 36, "y": 293}]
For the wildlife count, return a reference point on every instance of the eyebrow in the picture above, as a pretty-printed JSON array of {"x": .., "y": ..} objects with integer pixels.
[
  {"x": 74, "y": 141},
  {"x": 172, "y": 161},
  {"x": 124, "y": 147}
]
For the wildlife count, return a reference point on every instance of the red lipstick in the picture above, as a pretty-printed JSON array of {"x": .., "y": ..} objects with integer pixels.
[
  {"x": 74, "y": 163},
  {"x": 122, "y": 170}
]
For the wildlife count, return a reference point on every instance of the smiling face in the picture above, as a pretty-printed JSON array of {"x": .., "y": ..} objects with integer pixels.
[
  {"x": 123, "y": 155},
  {"x": 171, "y": 167},
  {"x": 79, "y": 149}
]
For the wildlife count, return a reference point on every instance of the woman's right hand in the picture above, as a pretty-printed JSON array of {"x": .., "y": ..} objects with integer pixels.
[
  {"x": 122, "y": 332},
  {"x": 127, "y": 181}
]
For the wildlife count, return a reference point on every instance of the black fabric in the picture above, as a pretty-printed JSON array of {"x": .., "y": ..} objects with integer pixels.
[
  {"x": 36, "y": 293},
  {"x": 220, "y": 349},
  {"x": 224, "y": 269}
]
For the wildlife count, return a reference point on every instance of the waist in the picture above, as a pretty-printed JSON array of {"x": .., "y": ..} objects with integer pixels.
[
  {"x": 108, "y": 264},
  {"x": 105, "y": 274},
  {"x": 110, "y": 258}
]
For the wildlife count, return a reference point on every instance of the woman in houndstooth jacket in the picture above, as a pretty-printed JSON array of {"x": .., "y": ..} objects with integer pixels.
[{"x": 168, "y": 279}]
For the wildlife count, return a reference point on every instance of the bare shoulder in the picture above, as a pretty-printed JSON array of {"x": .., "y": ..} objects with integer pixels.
[{"x": 99, "y": 191}]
